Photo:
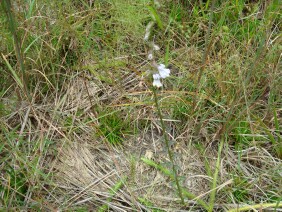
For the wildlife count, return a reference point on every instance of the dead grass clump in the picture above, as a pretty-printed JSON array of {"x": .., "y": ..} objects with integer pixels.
[{"x": 88, "y": 171}]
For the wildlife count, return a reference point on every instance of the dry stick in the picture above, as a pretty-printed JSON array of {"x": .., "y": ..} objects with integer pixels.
[
  {"x": 170, "y": 153},
  {"x": 205, "y": 55}
]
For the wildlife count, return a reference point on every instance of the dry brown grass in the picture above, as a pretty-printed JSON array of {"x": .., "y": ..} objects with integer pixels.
[{"x": 88, "y": 74}]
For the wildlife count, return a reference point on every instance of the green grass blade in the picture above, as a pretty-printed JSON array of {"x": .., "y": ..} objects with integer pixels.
[
  {"x": 30, "y": 8},
  {"x": 214, "y": 183},
  {"x": 156, "y": 17},
  {"x": 16, "y": 77}
]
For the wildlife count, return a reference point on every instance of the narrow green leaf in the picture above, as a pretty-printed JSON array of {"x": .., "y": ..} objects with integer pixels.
[
  {"x": 156, "y": 17},
  {"x": 17, "y": 79},
  {"x": 27, "y": 48},
  {"x": 30, "y": 9},
  {"x": 214, "y": 183}
]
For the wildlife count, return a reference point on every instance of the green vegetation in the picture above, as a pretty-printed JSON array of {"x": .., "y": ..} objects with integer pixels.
[
  {"x": 78, "y": 114},
  {"x": 113, "y": 127}
]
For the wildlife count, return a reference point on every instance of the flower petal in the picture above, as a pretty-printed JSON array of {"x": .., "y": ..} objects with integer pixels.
[
  {"x": 163, "y": 72},
  {"x": 156, "y": 76},
  {"x": 157, "y": 83},
  {"x": 157, "y": 80},
  {"x": 161, "y": 66}
]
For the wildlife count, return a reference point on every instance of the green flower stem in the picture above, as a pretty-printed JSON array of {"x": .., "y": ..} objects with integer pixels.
[{"x": 170, "y": 153}]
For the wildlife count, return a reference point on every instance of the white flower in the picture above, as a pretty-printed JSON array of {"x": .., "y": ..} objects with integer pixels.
[
  {"x": 150, "y": 56},
  {"x": 157, "y": 80},
  {"x": 163, "y": 72}
]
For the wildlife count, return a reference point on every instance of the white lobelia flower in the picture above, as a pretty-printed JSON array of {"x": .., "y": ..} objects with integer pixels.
[
  {"x": 163, "y": 72},
  {"x": 157, "y": 80}
]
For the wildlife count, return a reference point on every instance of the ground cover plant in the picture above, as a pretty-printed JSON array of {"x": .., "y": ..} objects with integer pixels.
[{"x": 144, "y": 105}]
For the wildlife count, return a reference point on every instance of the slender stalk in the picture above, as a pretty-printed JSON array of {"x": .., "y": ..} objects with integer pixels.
[
  {"x": 214, "y": 182},
  {"x": 170, "y": 153},
  {"x": 6, "y": 4}
]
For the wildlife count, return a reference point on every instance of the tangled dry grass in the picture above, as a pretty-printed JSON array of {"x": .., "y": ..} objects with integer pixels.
[{"x": 87, "y": 136}]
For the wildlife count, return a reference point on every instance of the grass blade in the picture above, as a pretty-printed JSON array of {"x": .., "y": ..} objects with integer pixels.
[
  {"x": 15, "y": 76},
  {"x": 214, "y": 183}
]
